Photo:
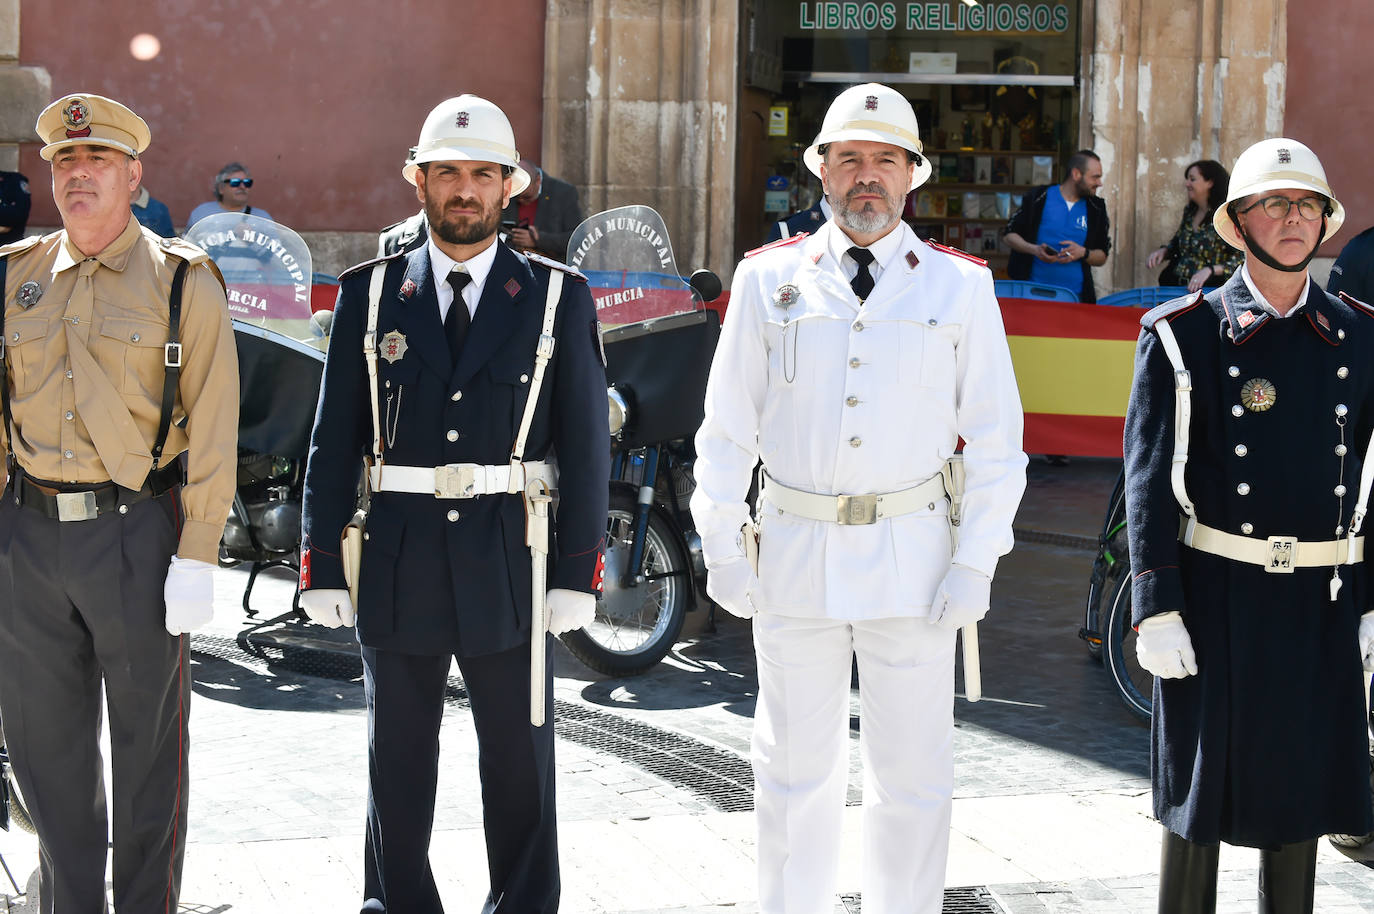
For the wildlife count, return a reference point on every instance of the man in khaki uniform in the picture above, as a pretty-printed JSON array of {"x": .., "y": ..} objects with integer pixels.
[{"x": 106, "y": 553}]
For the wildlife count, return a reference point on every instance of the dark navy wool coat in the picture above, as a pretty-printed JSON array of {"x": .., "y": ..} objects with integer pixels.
[
  {"x": 431, "y": 585},
  {"x": 1266, "y": 745}
]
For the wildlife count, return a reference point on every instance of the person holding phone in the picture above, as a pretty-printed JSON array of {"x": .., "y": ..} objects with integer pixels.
[{"x": 1062, "y": 229}]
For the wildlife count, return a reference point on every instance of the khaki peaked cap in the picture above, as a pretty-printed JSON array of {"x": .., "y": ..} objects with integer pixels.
[{"x": 84, "y": 119}]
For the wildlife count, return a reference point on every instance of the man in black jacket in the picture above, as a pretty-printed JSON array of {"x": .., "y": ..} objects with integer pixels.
[
  {"x": 1062, "y": 230},
  {"x": 544, "y": 215}
]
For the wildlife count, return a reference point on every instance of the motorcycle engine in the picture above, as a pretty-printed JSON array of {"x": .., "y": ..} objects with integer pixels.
[{"x": 265, "y": 521}]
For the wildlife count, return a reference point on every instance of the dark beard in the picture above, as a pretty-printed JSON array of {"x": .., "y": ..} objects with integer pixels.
[{"x": 454, "y": 232}]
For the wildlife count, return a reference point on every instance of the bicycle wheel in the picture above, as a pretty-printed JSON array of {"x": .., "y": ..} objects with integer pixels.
[
  {"x": 1112, "y": 552},
  {"x": 1133, "y": 682},
  {"x": 636, "y": 626}
]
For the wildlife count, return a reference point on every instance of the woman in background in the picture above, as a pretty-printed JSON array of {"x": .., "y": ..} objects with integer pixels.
[{"x": 1196, "y": 255}]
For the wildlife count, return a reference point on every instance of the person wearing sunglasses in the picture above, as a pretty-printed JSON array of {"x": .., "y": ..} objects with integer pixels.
[
  {"x": 1251, "y": 593},
  {"x": 231, "y": 188}
]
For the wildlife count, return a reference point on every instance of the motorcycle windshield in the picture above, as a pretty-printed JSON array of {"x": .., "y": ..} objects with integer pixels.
[
  {"x": 267, "y": 272},
  {"x": 628, "y": 261}
]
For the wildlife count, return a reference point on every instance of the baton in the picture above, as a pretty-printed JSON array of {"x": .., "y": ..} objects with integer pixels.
[
  {"x": 973, "y": 669},
  {"x": 537, "y": 538}
]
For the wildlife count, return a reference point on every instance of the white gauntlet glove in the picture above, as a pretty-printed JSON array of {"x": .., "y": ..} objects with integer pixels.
[
  {"x": 189, "y": 593},
  {"x": 1367, "y": 640},
  {"x": 962, "y": 598},
  {"x": 729, "y": 583},
  {"x": 1164, "y": 648},
  {"x": 570, "y": 610},
  {"x": 328, "y": 607}
]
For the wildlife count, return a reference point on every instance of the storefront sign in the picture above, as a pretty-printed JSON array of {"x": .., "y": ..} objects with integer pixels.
[
  {"x": 776, "y": 201},
  {"x": 932, "y": 16},
  {"x": 777, "y": 120}
]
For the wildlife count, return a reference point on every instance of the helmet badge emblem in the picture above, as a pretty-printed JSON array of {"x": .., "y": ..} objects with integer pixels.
[
  {"x": 1285, "y": 157},
  {"x": 871, "y": 103},
  {"x": 463, "y": 118}
]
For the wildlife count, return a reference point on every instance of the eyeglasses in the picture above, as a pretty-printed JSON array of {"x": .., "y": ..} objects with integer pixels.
[
  {"x": 1309, "y": 208},
  {"x": 239, "y": 182}
]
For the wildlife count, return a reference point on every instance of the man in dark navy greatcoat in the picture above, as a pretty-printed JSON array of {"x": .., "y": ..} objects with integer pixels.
[
  {"x": 445, "y": 569},
  {"x": 1251, "y": 593}
]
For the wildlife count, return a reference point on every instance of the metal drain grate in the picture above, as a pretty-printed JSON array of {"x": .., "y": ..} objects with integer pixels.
[
  {"x": 965, "y": 900},
  {"x": 280, "y": 656}
]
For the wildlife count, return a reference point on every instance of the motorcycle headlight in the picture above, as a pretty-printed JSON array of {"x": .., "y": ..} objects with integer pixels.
[{"x": 619, "y": 410}]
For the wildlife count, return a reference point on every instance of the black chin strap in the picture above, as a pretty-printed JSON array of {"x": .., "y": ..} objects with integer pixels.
[{"x": 1268, "y": 259}]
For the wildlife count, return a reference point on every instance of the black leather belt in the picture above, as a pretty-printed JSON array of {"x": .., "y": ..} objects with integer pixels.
[{"x": 73, "y": 503}]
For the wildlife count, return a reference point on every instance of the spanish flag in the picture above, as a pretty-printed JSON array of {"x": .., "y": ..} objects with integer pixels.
[{"x": 1073, "y": 365}]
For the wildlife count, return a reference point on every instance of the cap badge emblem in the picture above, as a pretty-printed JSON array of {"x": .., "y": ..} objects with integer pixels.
[
  {"x": 786, "y": 295},
  {"x": 29, "y": 294},
  {"x": 1258, "y": 394},
  {"x": 871, "y": 103},
  {"x": 1285, "y": 157},
  {"x": 463, "y": 118},
  {"x": 394, "y": 346},
  {"x": 77, "y": 116}
]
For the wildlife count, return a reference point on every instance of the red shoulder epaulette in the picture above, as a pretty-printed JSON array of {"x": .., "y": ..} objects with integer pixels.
[
  {"x": 780, "y": 243},
  {"x": 957, "y": 253},
  {"x": 1366, "y": 309}
]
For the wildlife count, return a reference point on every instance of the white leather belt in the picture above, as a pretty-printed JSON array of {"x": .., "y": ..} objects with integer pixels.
[
  {"x": 1277, "y": 554},
  {"x": 854, "y": 509},
  {"x": 457, "y": 480}
]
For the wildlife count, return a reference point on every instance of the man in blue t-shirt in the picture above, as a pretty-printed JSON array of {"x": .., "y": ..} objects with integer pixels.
[{"x": 1062, "y": 230}]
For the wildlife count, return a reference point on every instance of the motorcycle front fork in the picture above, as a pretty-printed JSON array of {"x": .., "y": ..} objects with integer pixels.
[{"x": 648, "y": 459}]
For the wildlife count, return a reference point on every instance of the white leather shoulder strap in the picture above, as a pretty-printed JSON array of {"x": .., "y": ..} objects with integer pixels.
[
  {"x": 1183, "y": 414},
  {"x": 374, "y": 300},
  {"x": 542, "y": 353}
]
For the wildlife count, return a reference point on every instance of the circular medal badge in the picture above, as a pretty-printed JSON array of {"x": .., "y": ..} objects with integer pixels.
[
  {"x": 1258, "y": 394},
  {"x": 29, "y": 294},
  {"x": 786, "y": 295}
]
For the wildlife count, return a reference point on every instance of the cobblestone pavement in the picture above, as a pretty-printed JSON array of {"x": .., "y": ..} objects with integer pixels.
[{"x": 1052, "y": 772}]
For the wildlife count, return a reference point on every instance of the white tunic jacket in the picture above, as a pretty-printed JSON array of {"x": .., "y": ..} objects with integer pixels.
[{"x": 838, "y": 398}]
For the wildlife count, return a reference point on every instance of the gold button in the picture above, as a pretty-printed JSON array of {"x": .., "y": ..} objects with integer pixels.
[
  {"x": 851, "y": 401},
  {"x": 452, "y": 434},
  {"x": 855, "y": 441},
  {"x": 853, "y": 363}
]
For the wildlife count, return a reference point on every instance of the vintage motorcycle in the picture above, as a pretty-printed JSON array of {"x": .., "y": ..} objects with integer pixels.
[
  {"x": 281, "y": 346},
  {"x": 658, "y": 339}
]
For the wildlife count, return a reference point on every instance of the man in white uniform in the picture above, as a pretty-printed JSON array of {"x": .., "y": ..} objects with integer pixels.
[{"x": 851, "y": 362}]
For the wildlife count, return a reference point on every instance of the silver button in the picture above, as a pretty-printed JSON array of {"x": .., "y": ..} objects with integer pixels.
[
  {"x": 452, "y": 434},
  {"x": 1342, "y": 409},
  {"x": 1241, "y": 450},
  {"x": 851, "y": 401},
  {"x": 1247, "y": 529},
  {"x": 931, "y": 506},
  {"x": 69, "y": 374},
  {"x": 932, "y": 322},
  {"x": 134, "y": 338},
  {"x": 1238, "y": 410},
  {"x": 1342, "y": 372},
  {"x": 1340, "y": 491},
  {"x": 1243, "y": 489},
  {"x": 1340, "y": 450},
  {"x": 1233, "y": 371},
  {"x": 70, "y": 415},
  {"x": 524, "y": 378},
  {"x": 853, "y": 363},
  {"x": 858, "y": 326},
  {"x": 366, "y": 535},
  {"x": 457, "y": 395},
  {"x": 453, "y": 516},
  {"x": 1340, "y": 334},
  {"x": 855, "y": 441},
  {"x": 123, "y": 509},
  {"x": 68, "y": 454}
]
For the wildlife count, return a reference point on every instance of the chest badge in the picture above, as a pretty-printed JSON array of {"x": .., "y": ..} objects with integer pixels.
[
  {"x": 786, "y": 295},
  {"x": 29, "y": 294},
  {"x": 1258, "y": 394},
  {"x": 393, "y": 346}
]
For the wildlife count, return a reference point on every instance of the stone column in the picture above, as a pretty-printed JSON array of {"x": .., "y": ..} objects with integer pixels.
[
  {"x": 1168, "y": 82},
  {"x": 24, "y": 91},
  {"x": 640, "y": 101}
]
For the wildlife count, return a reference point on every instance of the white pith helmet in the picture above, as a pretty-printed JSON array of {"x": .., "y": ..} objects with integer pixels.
[
  {"x": 1275, "y": 164},
  {"x": 875, "y": 113},
  {"x": 467, "y": 129}
]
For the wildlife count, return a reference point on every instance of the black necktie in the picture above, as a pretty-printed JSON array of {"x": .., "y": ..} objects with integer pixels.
[
  {"x": 862, "y": 283},
  {"x": 457, "y": 320}
]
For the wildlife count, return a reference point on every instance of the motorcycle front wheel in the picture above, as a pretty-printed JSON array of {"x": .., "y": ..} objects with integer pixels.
[
  {"x": 1133, "y": 682},
  {"x": 638, "y": 620}
]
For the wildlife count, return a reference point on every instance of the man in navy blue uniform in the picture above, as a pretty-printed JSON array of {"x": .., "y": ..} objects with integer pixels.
[
  {"x": 445, "y": 570},
  {"x": 803, "y": 221},
  {"x": 1251, "y": 593}
]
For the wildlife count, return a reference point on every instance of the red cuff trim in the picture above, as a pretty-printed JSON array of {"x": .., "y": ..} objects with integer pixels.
[
  {"x": 1151, "y": 571},
  {"x": 305, "y": 569},
  {"x": 599, "y": 574}
]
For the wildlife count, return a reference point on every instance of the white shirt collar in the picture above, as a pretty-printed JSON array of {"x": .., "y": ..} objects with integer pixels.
[
  {"x": 1264, "y": 302},
  {"x": 440, "y": 264},
  {"x": 884, "y": 249}
]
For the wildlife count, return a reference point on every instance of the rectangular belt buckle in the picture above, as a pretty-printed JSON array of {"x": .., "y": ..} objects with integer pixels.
[
  {"x": 75, "y": 506},
  {"x": 455, "y": 480},
  {"x": 856, "y": 509},
  {"x": 1282, "y": 553}
]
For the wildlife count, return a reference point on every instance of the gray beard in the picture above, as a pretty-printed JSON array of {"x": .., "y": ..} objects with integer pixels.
[{"x": 867, "y": 221}]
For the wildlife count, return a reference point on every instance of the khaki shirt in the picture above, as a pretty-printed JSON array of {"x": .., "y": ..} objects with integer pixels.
[{"x": 86, "y": 371}]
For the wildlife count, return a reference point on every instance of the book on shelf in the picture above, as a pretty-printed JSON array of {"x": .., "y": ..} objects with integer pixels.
[
  {"x": 954, "y": 235},
  {"x": 973, "y": 239},
  {"x": 937, "y": 204},
  {"x": 1001, "y": 170},
  {"x": 923, "y": 204},
  {"x": 982, "y": 169},
  {"x": 1003, "y": 204},
  {"x": 1022, "y": 170},
  {"x": 987, "y": 206},
  {"x": 954, "y": 204},
  {"x": 1042, "y": 167},
  {"x": 973, "y": 205},
  {"x": 967, "y": 173},
  {"x": 949, "y": 169}
]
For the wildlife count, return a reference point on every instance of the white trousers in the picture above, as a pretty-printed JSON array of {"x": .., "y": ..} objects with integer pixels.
[{"x": 801, "y": 760}]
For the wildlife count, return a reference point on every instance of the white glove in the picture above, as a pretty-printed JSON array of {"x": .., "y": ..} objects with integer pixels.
[
  {"x": 328, "y": 607},
  {"x": 569, "y": 610},
  {"x": 189, "y": 593},
  {"x": 729, "y": 583},
  {"x": 1367, "y": 640},
  {"x": 1164, "y": 648},
  {"x": 961, "y": 599}
]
